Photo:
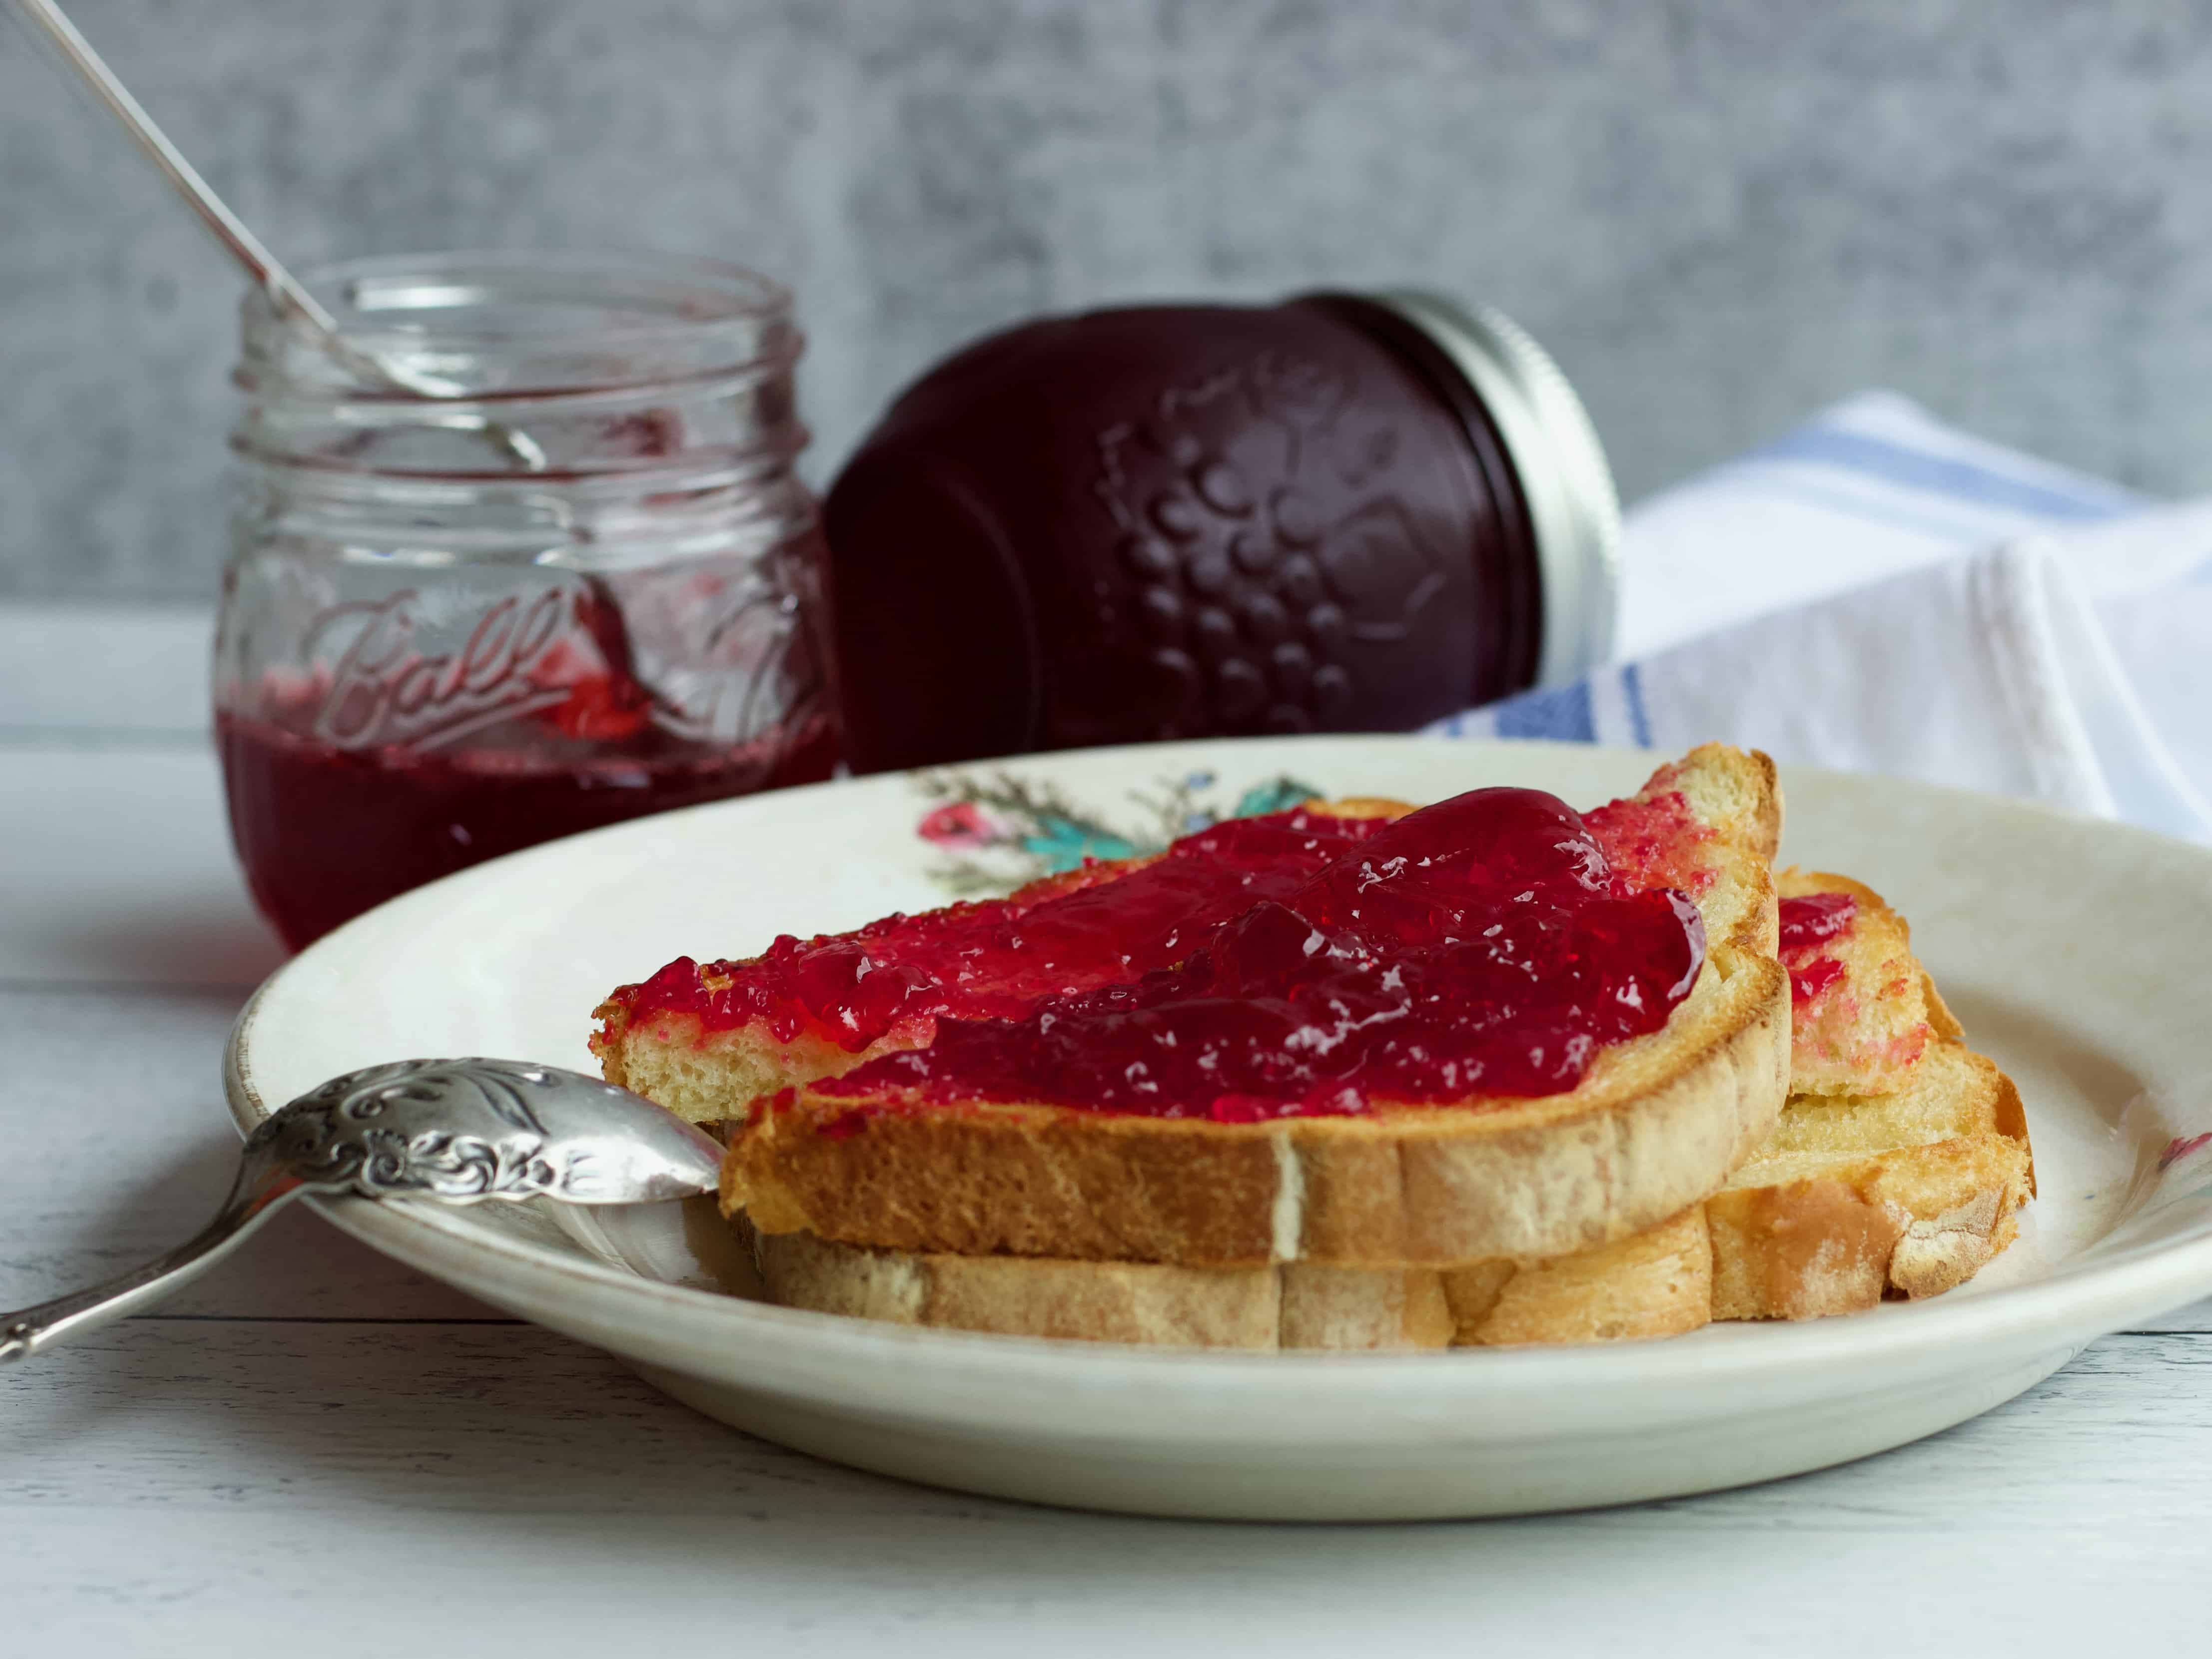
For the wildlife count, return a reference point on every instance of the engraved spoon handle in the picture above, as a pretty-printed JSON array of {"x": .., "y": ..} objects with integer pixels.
[{"x": 264, "y": 1186}]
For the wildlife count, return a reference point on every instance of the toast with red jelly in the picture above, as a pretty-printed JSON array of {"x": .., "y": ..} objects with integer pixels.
[
  {"x": 1904, "y": 1187},
  {"x": 1484, "y": 1029},
  {"x": 706, "y": 1039},
  {"x": 1859, "y": 1002}
]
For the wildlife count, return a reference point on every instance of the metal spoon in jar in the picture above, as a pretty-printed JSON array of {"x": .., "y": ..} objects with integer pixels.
[
  {"x": 451, "y": 1131},
  {"x": 293, "y": 301}
]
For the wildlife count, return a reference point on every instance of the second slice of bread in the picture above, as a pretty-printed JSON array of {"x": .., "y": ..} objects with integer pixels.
[{"x": 1907, "y": 1193}]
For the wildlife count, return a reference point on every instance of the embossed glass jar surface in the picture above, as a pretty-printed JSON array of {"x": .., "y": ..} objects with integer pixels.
[
  {"x": 1340, "y": 513},
  {"x": 582, "y": 588}
]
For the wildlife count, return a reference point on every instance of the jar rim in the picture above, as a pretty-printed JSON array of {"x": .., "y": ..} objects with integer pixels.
[{"x": 686, "y": 315}]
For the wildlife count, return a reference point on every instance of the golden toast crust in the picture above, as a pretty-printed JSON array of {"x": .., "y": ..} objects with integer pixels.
[{"x": 1659, "y": 1122}]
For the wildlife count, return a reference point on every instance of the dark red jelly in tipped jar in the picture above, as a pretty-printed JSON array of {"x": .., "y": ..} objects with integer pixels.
[
  {"x": 1482, "y": 946},
  {"x": 1338, "y": 513}
]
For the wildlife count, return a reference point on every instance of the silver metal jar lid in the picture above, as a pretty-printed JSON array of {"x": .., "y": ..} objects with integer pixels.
[{"x": 1574, "y": 511}]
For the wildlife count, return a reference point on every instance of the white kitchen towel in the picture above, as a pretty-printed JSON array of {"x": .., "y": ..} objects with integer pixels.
[
  {"x": 1812, "y": 598},
  {"x": 1868, "y": 488}
]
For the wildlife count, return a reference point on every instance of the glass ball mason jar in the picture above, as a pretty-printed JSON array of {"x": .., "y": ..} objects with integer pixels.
[{"x": 583, "y": 587}]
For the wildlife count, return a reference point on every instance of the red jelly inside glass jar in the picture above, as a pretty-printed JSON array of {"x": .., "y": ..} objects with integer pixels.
[
  {"x": 330, "y": 822},
  {"x": 326, "y": 833}
]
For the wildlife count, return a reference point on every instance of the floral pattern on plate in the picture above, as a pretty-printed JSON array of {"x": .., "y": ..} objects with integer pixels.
[{"x": 1001, "y": 829}]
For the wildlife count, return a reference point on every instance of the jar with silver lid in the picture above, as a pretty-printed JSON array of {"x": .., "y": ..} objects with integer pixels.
[{"x": 1340, "y": 513}]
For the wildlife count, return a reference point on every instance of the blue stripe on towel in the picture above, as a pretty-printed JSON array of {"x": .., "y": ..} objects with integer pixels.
[
  {"x": 1940, "y": 474},
  {"x": 1639, "y": 718},
  {"x": 1560, "y": 711},
  {"x": 1951, "y": 517}
]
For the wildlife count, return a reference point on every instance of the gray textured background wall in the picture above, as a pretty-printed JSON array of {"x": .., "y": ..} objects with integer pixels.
[{"x": 1718, "y": 213}]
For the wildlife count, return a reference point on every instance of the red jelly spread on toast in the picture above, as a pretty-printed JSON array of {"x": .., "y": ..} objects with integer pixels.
[
  {"x": 997, "y": 959},
  {"x": 1655, "y": 837},
  {"x": 1807, "y": 924},
  {"x": 1486, "y": 946}
]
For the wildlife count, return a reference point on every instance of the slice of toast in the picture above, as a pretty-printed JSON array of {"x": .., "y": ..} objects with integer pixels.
[
  {"x": 706, "y": 1039},
  {"x": 1657, "y": 1122},
  {"x": 1906, "y": 1191}
]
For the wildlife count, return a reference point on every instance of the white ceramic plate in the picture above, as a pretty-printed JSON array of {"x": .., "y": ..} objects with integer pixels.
[{"x": 2072, "y": 951}]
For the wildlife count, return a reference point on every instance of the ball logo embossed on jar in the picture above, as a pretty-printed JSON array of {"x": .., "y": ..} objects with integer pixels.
[
  {"x": 384, "y": 691},
  {"x": 557, "y": 653}
]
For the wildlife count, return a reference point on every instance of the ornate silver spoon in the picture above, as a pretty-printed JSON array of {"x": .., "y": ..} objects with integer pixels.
[{"x": 453, "y": 1131}]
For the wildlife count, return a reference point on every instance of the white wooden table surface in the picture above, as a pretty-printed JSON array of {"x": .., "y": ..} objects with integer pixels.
[{"x": 316, "y": 1451}]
